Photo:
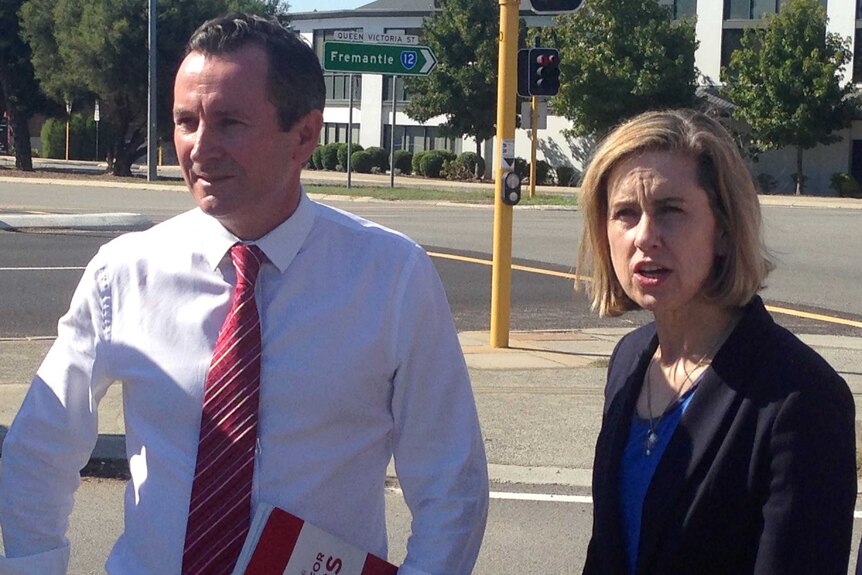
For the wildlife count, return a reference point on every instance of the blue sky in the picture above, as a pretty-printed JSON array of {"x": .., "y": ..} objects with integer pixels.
[{"x": 309, "y": 5}]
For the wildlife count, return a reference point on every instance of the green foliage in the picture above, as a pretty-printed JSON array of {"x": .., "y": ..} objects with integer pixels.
[
  {"x": 329, "y": 156},
  {"x": 84, "y": 49},
  {"x": 785, "y": 81},
  {"x": 522, "y": 167},
  {"x": 416, "y": 162},
  {"x": 20, "y": 95},
  {"x": 431, "y": 164},
  {"x": 845, "y": 185},
  {"x": 566, "y": 175},
  {"x": 473, "y": 163},
  {"x": 403, "y": 161},
  {"x": 361, "y": 162},
  {"x": 314, "y": 162},
  {"x": 463, "y": 86},
  {"x": 379, "y": 157},
  {"x": 543, "y": 172},
  {"x": 342, "y": 152},
  {"x": 620, "y": 58},
  {"x": 82, "y": 138}
]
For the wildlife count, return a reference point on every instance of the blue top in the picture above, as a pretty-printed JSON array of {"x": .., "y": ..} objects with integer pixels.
[{"x": 637, "y": 469}]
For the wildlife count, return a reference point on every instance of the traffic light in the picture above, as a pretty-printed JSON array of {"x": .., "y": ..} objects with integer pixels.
[
  {"x": 511, "y": 188},
  {"x": 555, "y": 6},
  {"x": 544, "y": 71}
]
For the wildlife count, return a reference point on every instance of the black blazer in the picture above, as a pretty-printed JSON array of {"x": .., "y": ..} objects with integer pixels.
[{"x": 760, "y": 474}]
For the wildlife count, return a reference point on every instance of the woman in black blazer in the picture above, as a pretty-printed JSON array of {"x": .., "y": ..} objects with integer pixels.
[{"x": 727, "y": 445}]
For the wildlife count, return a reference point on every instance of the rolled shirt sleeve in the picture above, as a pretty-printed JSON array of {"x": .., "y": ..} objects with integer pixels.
[
  {"x": 53, "y": 435},
  {"x": 438, "y": 449}
]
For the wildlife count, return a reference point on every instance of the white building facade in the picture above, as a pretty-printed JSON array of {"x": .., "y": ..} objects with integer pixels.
[{"x": 719, "y": 28}]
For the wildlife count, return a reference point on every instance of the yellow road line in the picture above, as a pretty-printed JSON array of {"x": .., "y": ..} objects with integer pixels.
[
  {"x": 521, "y": 268},
  {"x": 815, "y": 316},
  {"x": 571, "y": 276}
]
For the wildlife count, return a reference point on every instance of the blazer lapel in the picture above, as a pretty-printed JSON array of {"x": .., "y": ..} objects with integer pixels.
[
  {"x": 609, "y": 455},
  {"x": 704, "y": 422}
]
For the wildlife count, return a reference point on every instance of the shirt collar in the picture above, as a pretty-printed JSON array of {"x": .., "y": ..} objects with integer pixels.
[{"x": 280, "y": 245}]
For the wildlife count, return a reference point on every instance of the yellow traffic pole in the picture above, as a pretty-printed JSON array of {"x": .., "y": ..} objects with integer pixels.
[
  {"x": 501, "y": 271},
  {"x": 534, "y": 117}
]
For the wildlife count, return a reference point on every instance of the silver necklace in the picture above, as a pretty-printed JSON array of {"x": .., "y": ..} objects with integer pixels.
[{"x": 654, "y": 422}]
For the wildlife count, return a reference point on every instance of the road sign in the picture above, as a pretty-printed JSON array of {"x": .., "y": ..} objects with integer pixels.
[
  {"x": 373, "y": 38},
  {"x": 378, "y": 58}
]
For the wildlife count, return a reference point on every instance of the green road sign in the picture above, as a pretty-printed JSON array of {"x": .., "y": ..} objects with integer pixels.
[{"x": 406, "y": 60}]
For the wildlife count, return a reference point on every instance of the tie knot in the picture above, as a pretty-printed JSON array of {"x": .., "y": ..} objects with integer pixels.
[{"x": 246, "y": 260}]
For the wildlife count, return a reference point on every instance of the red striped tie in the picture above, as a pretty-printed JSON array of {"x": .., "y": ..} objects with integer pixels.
[{"x": 220, "y": 507}]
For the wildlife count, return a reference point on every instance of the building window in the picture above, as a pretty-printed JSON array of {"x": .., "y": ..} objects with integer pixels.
[
  {"x": 400, "y": 91},
  {"x": 731, "y": 41},
  {"x": 754, "y": 9},
  {"x": 681, "y": 8},
  {"x": 333, "y": 132},
  {"x": 419, "y": 139},
  {"x": 338, "y": 87}
]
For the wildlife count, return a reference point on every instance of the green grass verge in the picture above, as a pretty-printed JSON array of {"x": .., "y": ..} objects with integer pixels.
[{"x": 440, "y": 195}]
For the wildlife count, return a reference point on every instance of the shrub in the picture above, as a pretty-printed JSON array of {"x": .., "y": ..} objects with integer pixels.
[
  {"x": 53, "y": 138},
  {"x": 82, "y": 138},
  {"x": 472, "y": 163},
  {"x": 567, "y": 175},
  {"x": 361, "y": 162},
  {"x": 522, "y": 168},
  {"x": 431, "y": 164},
  {"x": 316, "y": 161},
  {"x": 379, "y": 157},
  {"x": 455, "y": 170},
  {"x": 329, "y": 156},
  {"x": 766, "y": 183},
  {"x": 403, "y": 161},
  {"x": 543, "y": 172},
  {"x": 342, "y": 152},
  {"x": 845, "y": 185},
  {"x": 416, "y": 161}
]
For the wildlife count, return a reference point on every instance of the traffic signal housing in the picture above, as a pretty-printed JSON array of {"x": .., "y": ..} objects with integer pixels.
[
  {"x": 555, "y": 6},
  {"x": 545, "y": 68}
]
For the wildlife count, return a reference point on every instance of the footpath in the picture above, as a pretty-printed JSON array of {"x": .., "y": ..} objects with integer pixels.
[{"x": 539, "y": 400}]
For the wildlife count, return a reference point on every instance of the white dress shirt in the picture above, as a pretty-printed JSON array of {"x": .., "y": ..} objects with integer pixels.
[{"x": 360, "y": 361}]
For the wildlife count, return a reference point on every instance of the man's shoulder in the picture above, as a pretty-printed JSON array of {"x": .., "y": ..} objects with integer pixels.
[
  {"x": 357, "y": 228},
  {"x": 163, "y": 238}
]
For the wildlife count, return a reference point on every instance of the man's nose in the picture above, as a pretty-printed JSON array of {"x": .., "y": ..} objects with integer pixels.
[{"x": 207, "y": 143}]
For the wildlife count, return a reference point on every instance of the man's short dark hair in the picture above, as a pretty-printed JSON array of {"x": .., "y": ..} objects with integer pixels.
[{"x": 294, "y": 81}]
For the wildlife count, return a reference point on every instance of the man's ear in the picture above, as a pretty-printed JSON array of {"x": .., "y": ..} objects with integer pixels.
[{"x": 307, "y": 131}]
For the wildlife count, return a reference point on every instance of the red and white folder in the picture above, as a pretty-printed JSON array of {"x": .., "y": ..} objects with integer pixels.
[{"x": 280, "y": 543}]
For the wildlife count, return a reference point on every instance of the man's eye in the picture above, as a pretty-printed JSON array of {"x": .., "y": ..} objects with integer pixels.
[{"x": 184, "y": 122}]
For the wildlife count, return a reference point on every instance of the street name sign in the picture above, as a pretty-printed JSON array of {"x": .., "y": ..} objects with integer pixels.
[
  {"x": 378, "y": 58},
  {"x": 374, "y": 38}
]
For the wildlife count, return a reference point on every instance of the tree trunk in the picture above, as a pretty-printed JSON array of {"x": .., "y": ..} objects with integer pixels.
[
  {"x": 799, "y": 175},
  {"x": 476, "y": 173},
  {"x": 21, "y": 138}
]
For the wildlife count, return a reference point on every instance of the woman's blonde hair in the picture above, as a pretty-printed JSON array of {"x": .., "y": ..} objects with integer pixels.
[{"x": 738, "y": 274}]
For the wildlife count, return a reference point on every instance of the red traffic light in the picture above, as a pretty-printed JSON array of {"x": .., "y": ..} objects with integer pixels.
[{"x": 547, "y": 59}]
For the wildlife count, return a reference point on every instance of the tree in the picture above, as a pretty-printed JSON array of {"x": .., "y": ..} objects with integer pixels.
[
  {"x": 18, "y": 86},
  {"x": 463, "y": 86},
  {"x": 620, "y": 58},
  {"x": 88, "y": 49},
  {"x": 785, "y": 82}
]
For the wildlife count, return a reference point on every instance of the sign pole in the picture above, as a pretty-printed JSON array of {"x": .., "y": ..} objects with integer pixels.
[
  {"x": 534, "y": 133},
  {"x": 349, "y": 131},
  {"x": 501, "y": 271},
  {"x": 392, "y": 134}
]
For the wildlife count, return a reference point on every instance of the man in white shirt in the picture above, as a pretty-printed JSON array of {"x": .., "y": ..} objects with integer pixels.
[{"x": 360, "y": 359}]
